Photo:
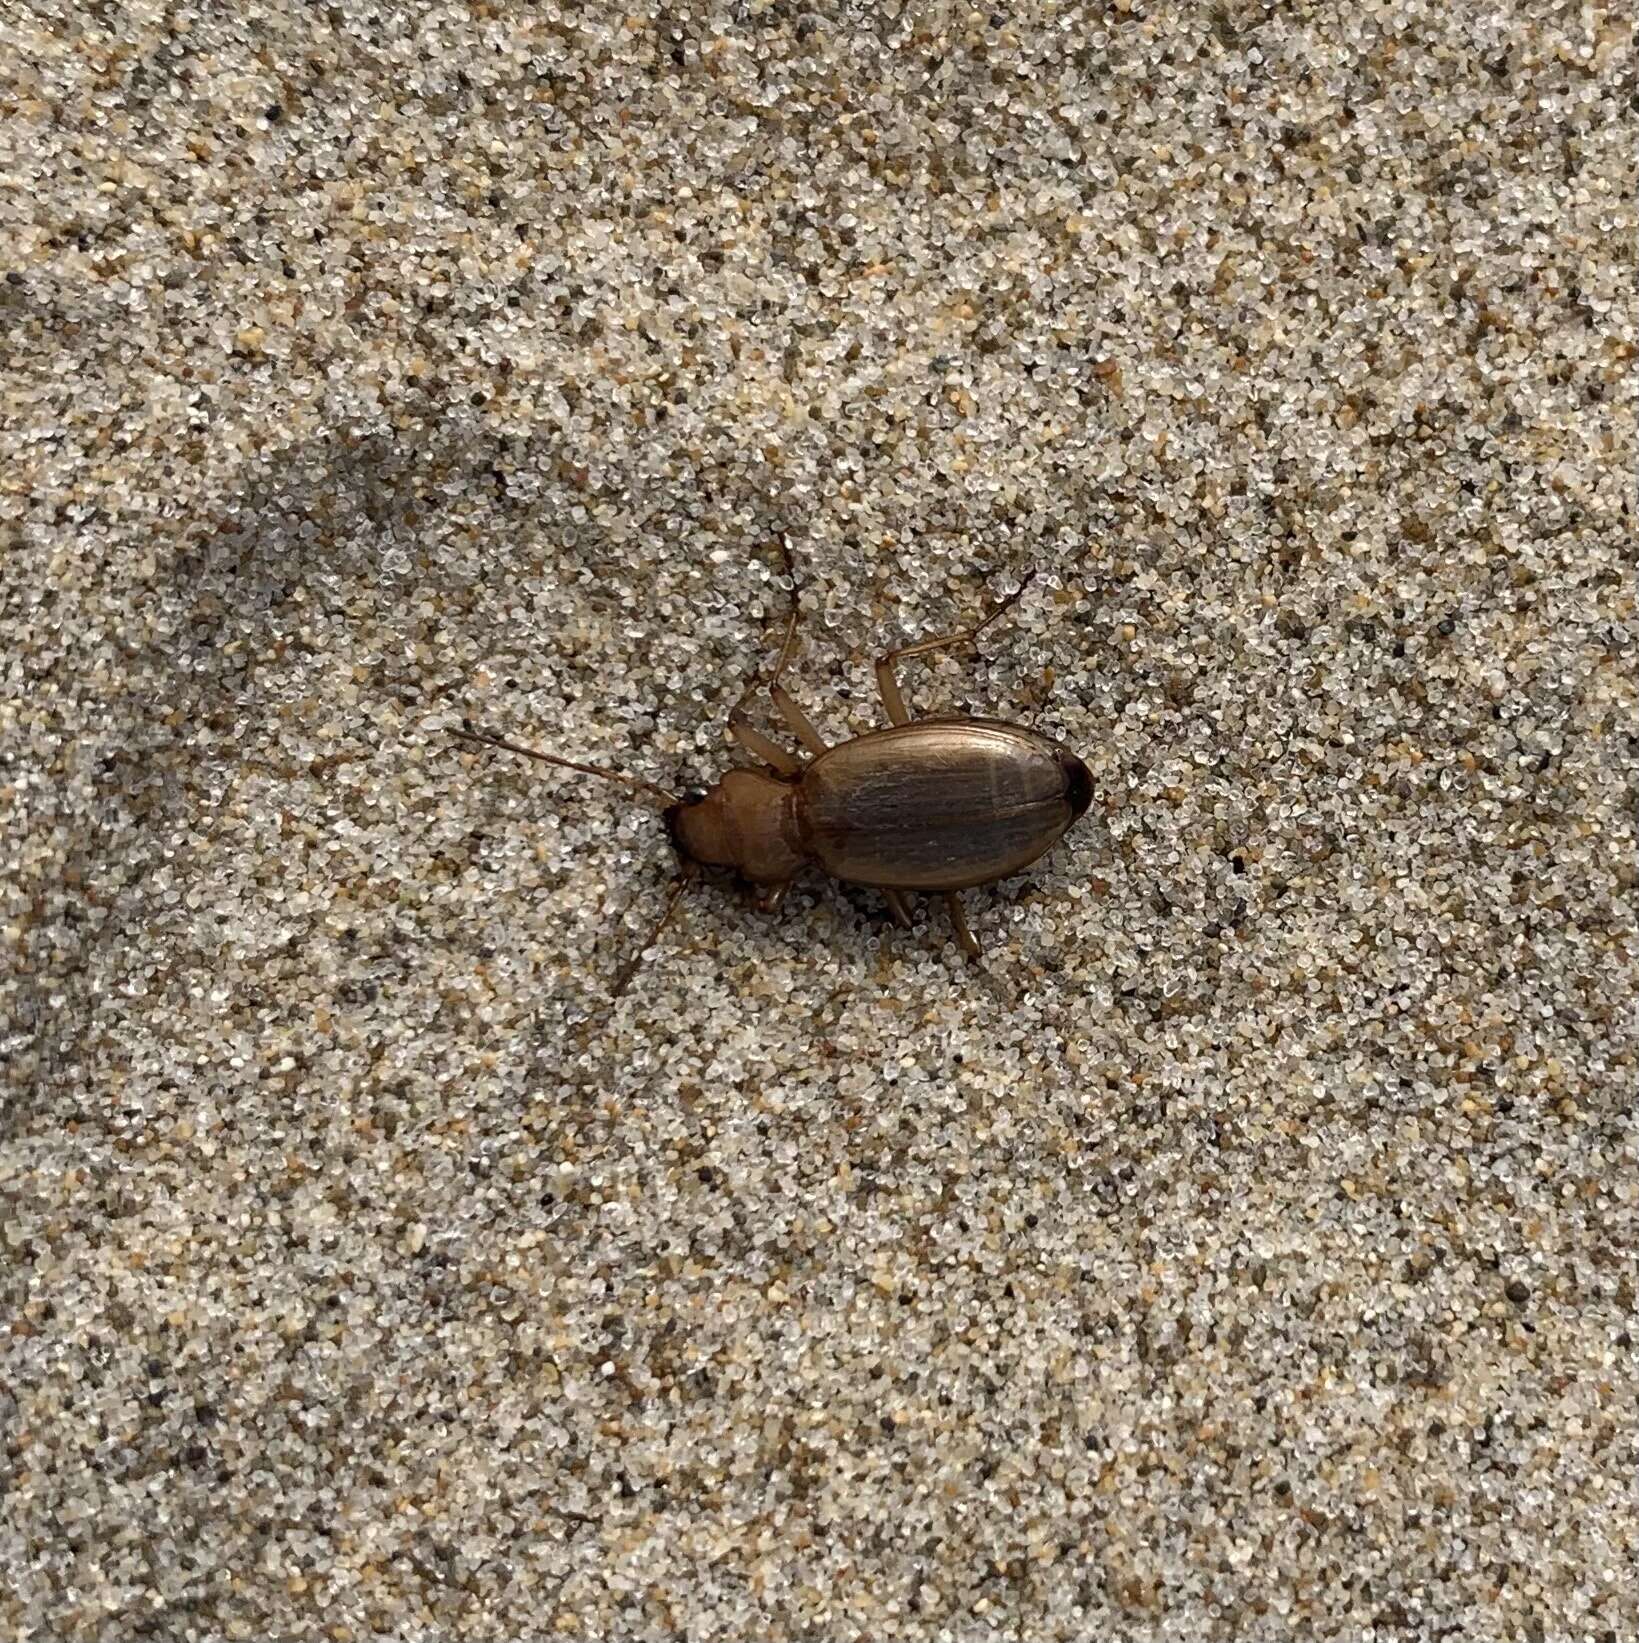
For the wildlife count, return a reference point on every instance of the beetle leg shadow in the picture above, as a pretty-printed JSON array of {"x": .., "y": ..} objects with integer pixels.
[
  {"x": 1005, "y": 995},
  {"x": 974, "y": 954}
]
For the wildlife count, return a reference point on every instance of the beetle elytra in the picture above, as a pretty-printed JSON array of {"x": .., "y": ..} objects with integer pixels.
[{"x": 928, "y": 805}]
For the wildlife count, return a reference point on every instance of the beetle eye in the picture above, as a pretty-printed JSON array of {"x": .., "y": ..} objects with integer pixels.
[{"x": 694, "y": 795}]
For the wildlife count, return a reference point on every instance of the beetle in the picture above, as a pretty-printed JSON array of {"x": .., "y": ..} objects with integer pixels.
[{"x": 934, "y": 806}]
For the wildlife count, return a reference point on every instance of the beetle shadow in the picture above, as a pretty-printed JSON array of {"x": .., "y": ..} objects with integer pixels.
[
  {"x": 328, "y": 531},
  {"x": 336, "y": 529}
]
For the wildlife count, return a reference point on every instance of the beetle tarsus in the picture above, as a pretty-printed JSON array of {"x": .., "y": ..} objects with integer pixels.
[{"x": 797, "y": 722}]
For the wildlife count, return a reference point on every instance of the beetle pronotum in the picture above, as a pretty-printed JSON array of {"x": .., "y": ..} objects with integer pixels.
[{"x": 932, "y": 805}]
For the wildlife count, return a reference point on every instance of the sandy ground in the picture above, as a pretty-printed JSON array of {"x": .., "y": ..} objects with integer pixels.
[{"x": 1249, "y": 1252}]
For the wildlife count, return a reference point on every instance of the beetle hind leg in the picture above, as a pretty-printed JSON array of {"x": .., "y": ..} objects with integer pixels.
[{"x": 899, "y": 907}]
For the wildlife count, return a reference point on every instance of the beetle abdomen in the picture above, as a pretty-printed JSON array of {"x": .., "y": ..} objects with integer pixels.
[{"x": 941, "y": 804}]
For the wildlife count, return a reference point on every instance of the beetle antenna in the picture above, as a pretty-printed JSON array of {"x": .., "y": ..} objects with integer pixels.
[
  {"x": 1008, "y": 603},
  {"x": 484, "y": 739},
  {"x": 629, "y": 969}
]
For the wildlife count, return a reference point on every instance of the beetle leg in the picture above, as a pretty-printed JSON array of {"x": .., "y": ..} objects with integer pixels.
[
  {"x": 969, "y": 942},
  {"x": 801, "y": 726},
  {"x": 899, "y": 907},
  {"x": 796, "y": 720},
  {"x": 754, "y": 741},
  {"x": 629, "y": 968},
  {"x": 888, "y": 685}
]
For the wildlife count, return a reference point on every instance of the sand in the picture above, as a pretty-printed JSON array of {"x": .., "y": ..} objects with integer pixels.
[{"x": 1248, "y": 1251}]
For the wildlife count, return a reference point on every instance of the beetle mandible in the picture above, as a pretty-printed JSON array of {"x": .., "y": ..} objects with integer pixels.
[{"x": 928, "y": 805}]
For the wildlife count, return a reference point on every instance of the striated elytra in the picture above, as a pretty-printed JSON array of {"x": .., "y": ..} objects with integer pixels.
[
  {"x": 937, "y": 805},
  {"x": 931, "y": 806}
]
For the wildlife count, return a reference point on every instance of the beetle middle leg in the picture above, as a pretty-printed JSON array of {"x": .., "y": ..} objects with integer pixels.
[
  {"x": 888, "y": 685},
  {"x": 964, "y": 935}
]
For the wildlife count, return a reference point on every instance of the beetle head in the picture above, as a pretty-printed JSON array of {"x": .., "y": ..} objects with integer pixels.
[
  {"x": 704, "y": 825},
  {"x": 677, "y": 828}
]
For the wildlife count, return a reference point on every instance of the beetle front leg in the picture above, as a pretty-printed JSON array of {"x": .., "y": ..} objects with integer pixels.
[
  {"x": 755, "y": 742},
  {"x": 796, "y": 720},
  {"x": 800, "y": 725},
  {"x": 629, "y": 969},
  {"x": 888, "y": 685}
]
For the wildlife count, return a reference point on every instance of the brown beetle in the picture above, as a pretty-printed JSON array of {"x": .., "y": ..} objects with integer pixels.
[{"x": 935, "y": 805}]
